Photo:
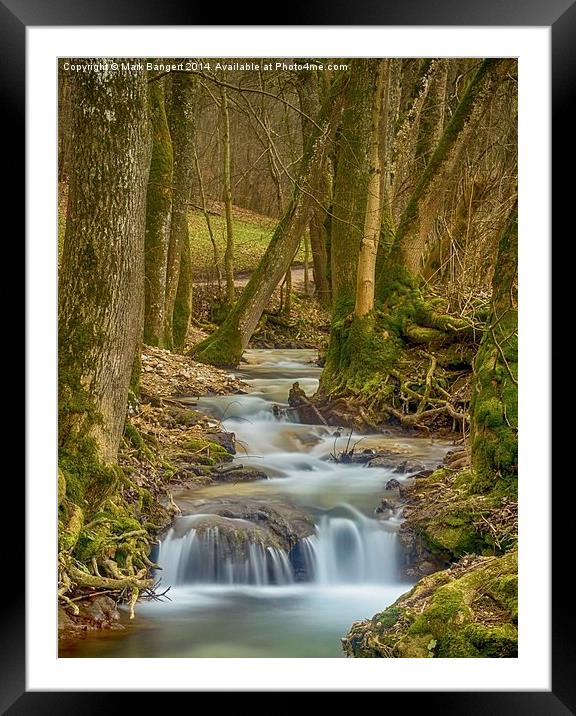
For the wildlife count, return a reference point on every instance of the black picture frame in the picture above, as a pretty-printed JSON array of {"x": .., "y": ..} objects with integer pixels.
[{"x": 560, "y": 15}]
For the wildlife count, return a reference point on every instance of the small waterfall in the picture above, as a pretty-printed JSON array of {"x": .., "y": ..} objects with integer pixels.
[
  {"x": 355, "y": 552},
  {"x": 349, "y": 550},
  {"x": 213, "y": 556}
]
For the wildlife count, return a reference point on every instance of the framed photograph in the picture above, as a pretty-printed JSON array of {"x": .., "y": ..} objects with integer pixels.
[{"x": 288, "y": 333}]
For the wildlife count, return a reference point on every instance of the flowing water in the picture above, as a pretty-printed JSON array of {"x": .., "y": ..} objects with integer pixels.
[{"x": 244, "y": 598}]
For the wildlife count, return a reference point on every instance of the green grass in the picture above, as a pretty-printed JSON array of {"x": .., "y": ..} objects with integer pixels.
[{"x": 251, "y": 238}]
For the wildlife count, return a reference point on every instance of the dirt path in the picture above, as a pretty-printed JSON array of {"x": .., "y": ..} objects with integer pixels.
[{"x": 297, "y": 278}]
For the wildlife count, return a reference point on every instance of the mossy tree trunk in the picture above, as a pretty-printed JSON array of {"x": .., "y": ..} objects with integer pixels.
[
  {"x": 158, "y": 217},
  {"x": 227, "y": 196},
  {"x": 369, "y": 246},
  {"x": 101, "y": 281},
  {"x": 494, "y": 405},
  {"x": 181, "y": 122},
  {"x": 183, "y": 303},
  {"x": 309, "y": 97},
  {"x": 351, "y": 180},
  {"x": 226, "y": 345}
]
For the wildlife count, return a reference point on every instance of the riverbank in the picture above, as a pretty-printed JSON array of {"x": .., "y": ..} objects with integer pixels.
[
  {"x": 328, "y": 557},
  {"x": 263, "y": 513},
  {"x": 167, "y": 442}
]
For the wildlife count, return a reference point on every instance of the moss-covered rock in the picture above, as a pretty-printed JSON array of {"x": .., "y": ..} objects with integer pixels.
[
  {"x": 207, "y": 452},
  {"x": 446, "y": 519},
  {"x": 470, "y": 610}
]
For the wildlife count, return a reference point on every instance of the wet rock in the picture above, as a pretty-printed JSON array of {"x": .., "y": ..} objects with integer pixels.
[
  {"x": 459, "y": 464},
  {"x": 420, "y": 475},
  {"x": 407, "y": 466},
  {"x": 239, "y": 474},
  {"x": 307, "y": 411},
  {"x": 226, "y": 440},
  {"x": 97, "y": 613},
  {"x": 455, "y": 456},
  {"x": 418, "y": 560},
  {"x": 283, "y": 523},
  {"x": 385, "y": 509},
  {"x": 392, "y": 484},
  {"x": 357, "y": 458},
  {"x": 183, "y": 416}
]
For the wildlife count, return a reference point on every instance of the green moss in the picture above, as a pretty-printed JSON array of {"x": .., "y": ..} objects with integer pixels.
[
  {"x": 389, "y": 617},
  {"x": 494, "y": 405},
  {"x": 132, "y": 436},
  {"x": 223, "y": 348},
  {"x": 458, "y": 522},
  {"x": 468, "y": 612},
  {"x": 499, "y": 641},
  {"x": 112, "y": 521},
  {"x": 359, "y": 357},
  {"x": 207, "y": 450},
  {"x": 61, "y": 486},
  {"x": 70, "y": 522},
  {"x": 88, "y": 481}
]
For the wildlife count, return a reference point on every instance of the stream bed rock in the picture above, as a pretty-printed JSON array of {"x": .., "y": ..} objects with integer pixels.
[{"x": 276, "y": 524}]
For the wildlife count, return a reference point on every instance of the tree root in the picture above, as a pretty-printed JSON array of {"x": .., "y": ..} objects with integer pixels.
[
  {"x": 84, "y": 579},
  {"x": 414, "y": 419}
]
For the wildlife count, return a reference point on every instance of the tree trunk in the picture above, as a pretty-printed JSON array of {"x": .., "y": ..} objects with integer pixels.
[
  {"x": 227, "y": 196},
  {"x": 351, "y": 181},
  {"x": 181, "y": 123},
  {"x": 369, "y": 245},
  {"x": 101, "y": 282},
  {"x": 208, "y": 222},
  {"x": 158, "y": 215},
  {"x": 287, "y": 305},
  {"x": 64, "y": 121},
  {"x": 183, "y": 303},
  {"x": 319, "y": 239},
  {"x": 494, "y": 405},
  {"x": 226, "y": 345},
  {"x": 306, "y": 265},
  {"x": 309, "y": 97}
]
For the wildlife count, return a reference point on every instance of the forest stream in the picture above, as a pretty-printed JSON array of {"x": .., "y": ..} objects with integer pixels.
[{"x": 271, "y": 602}]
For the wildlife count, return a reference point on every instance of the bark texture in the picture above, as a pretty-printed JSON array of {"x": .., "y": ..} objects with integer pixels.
[
  {"x": 227, "y": 196},
  {"x": 101, "y": 286},
  {"x": 440, "y": 172},
  {"x": 158, "y": 217},
  {"x": 181, "y": 116},
  {"x": 369, "y": 245},
  {"x": 308, "y": 93},
  {"x": 351, "y": 180}
]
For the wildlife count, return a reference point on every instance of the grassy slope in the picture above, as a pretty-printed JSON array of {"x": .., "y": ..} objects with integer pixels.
[{"x": 252, "y": 233}]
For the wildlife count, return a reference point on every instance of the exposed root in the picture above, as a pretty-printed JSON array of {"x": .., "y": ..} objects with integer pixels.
[{"x": 118, "y": 583}]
